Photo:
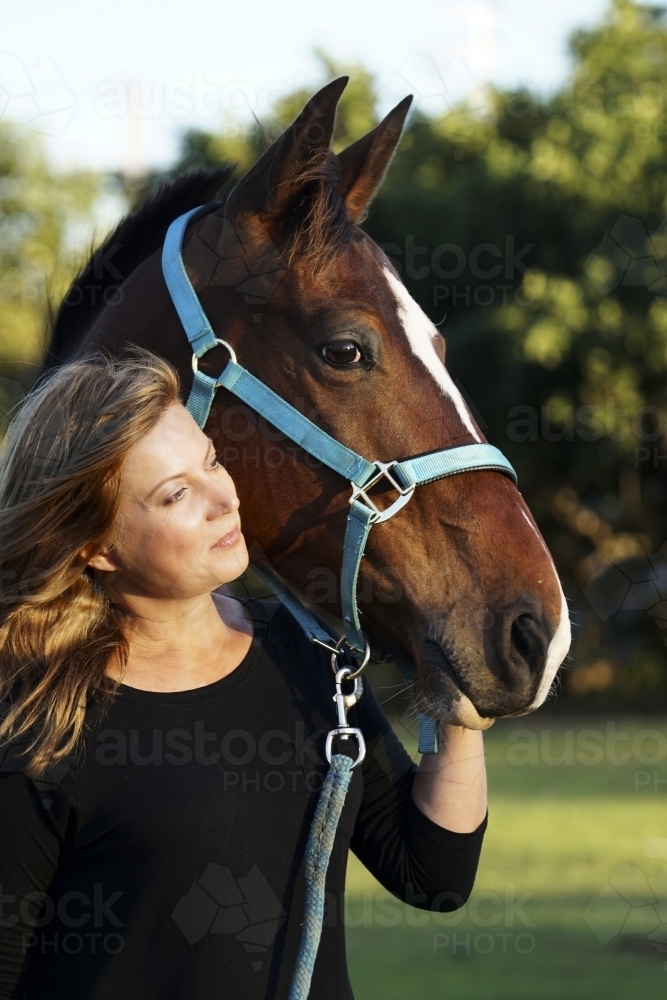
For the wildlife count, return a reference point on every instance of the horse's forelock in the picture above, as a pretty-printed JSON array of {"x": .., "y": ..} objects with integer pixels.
[{"x": 316, "y": 219}]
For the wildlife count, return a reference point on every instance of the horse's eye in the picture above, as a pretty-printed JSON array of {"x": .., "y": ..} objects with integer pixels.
[{"x": 342, "y": 352}]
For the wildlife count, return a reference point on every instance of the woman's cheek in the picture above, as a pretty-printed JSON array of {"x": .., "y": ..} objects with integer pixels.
[{"x": 185, "y": 537}]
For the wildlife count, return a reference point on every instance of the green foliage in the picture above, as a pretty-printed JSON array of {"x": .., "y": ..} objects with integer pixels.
[{"x": 40, "y": 212}]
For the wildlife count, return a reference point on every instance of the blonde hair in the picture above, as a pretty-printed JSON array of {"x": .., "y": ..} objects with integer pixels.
[{"x": 59, "y": 488}]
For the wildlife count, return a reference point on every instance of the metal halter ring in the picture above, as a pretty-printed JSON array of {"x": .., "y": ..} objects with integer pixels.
[
  {"x": 223, "y": 343},
  {"x": 360, "y": 669},
  {"x": 336, "y": 650}
]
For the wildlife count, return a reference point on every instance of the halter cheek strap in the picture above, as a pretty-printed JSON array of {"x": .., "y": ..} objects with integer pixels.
[{"x": 402, "y": 476}]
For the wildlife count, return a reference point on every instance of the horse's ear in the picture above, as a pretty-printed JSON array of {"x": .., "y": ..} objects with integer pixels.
[
  {"x": 364, "y": 163},
  {"x": 271, "y": 181}
]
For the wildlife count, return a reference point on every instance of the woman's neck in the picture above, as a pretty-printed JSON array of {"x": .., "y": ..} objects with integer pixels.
[{"x": 181, "y": 645}]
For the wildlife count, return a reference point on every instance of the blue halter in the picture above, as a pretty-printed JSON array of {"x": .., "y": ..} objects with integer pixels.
[{"x": 403, "y": 477}]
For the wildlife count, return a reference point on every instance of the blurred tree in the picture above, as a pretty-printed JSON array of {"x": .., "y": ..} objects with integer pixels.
[
  {"x": 242, "y": 143},
  {"x": 356, "y": 112},
  {"x": 41, "y": 214}
]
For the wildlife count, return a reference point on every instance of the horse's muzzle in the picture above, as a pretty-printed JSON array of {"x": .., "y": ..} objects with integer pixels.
[{"x": 484, "y": 673}]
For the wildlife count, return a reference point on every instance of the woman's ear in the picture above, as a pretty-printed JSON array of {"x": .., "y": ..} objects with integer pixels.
[{"x": 102, "y": 559}]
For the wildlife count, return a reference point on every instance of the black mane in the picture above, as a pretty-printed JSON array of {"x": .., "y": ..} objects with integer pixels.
[{"x": 134, "y": 239}]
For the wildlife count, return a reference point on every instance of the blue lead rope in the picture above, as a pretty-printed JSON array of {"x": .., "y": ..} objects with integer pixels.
[{"x": 318, "y": 853}]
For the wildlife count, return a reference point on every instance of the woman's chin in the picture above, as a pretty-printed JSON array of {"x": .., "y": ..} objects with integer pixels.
[{"x": 230, "y": 560}]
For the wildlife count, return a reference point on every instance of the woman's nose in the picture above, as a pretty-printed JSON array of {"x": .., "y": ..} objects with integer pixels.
[{"x": 223, "y": 501}]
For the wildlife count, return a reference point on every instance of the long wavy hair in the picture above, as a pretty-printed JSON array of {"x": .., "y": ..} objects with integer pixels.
[{"x": 60, "y": 475}]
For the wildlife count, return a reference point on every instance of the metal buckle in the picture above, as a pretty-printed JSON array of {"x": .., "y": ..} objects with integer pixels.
[
  {"x": 383, "y": 473},
  {"x": 223, "y": 343}
]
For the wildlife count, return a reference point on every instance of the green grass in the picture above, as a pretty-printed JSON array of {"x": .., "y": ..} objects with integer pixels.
[{"x": 558, "y": 834}]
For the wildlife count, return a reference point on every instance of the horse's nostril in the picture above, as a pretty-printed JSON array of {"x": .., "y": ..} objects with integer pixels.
[{"x": 527, "y": 642}]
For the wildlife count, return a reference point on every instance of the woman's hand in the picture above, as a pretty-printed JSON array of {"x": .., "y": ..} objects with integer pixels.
[{"x": 450, "y": 786}]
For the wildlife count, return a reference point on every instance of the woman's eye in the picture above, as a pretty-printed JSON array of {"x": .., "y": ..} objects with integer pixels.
[
  {"x": 342, "y": 352},
  {"x": 178, "y": 495}
]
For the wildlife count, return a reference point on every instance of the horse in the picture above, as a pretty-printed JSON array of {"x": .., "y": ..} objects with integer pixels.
[{"x": 459, "y": 583}]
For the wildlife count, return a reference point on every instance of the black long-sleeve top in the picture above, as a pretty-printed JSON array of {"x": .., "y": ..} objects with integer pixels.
[{"x": 165, "y": 862}]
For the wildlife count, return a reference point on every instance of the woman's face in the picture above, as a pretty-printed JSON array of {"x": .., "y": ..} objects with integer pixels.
[{"x": 178, "y": 532}]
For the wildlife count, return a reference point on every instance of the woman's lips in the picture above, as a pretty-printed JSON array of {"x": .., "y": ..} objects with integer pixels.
[{"x": 228, "y": 540}]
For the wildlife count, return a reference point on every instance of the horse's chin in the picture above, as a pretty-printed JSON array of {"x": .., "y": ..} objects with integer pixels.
[
  {"x": 463, "y": 713},
  {"x": 442, "y": 694}
]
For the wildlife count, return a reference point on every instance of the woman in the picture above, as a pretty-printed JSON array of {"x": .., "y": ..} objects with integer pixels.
[{"x": 163, "y": 744}]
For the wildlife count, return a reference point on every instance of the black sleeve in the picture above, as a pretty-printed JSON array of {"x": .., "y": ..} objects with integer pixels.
[
  {"x": 32, "y": 815},
  {"x": 410, "y": 855}
]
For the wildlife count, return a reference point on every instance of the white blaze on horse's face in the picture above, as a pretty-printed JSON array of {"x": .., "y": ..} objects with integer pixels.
[
  {"x": 421, "y": 335},
  {"x": 556, "y": 653},
  {"x": 562, "y": 637}
]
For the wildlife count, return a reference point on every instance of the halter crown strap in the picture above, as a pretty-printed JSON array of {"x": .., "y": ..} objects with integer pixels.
[{"x": 402, "y": 476}]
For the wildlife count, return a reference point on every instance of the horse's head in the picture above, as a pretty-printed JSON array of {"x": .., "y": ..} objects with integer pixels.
[{"x": 459, "y": 582}]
